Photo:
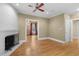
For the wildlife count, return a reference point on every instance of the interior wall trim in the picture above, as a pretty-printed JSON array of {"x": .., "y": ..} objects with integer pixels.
[{"x": 44, "y": 38}]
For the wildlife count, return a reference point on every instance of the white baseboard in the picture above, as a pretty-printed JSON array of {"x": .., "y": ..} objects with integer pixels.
[
  {"x": 44, "y": 38},
  {"x": 56, "y": 40},
  {"x": 8, "y": 53},
  {"x": 22, "y": 41}
]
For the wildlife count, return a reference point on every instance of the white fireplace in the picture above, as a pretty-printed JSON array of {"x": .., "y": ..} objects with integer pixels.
[
  {"x": 2, "y": 39},
  {"x": 8, "y": 24}
]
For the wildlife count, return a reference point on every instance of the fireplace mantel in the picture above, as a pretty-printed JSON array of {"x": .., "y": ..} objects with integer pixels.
[{"x": 3, "y": 34}]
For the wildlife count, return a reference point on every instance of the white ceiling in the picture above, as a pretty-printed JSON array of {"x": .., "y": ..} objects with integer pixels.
[{"x": 52, "y": 9}]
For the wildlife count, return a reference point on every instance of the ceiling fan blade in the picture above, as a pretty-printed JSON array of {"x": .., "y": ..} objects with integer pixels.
[
  {"x": 34, "y": 10},
  {"x": 41, "y": 10},
  {"x": 40, "y": 5},
  {"x": 36, "y": 4},
  {"x": 30, "y": 5}
]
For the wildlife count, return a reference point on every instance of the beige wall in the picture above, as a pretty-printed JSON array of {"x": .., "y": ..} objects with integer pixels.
[
  {"x": 53, "y": 27},
  {"x": 57, "y": 27},
  {"x": 43, "y": 25},
  {"x": 22, "y": 27}
]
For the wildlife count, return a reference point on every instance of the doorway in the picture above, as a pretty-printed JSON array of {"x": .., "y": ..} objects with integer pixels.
[
  {"x": 32, "y": 36},
  {"x": 75, "y": 37},
  {"x": 75, "y": 30},
  {"x": 32, "y": 30}
]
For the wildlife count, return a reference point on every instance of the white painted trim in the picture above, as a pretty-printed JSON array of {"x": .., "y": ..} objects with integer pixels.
[
  {"x": 8, "y": 53},
  {"x": 26, "y": 22},
  {"x": 76, "y": 19},
  {"x": 56, "y": 40},
  {"x": 44, "y": 38}
]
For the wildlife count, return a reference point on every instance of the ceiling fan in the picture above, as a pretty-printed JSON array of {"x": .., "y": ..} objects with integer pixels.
[{"x": 37, "y": 7}]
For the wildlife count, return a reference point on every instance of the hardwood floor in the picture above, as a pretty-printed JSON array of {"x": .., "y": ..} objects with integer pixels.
[{"x": 46, "y": 47}]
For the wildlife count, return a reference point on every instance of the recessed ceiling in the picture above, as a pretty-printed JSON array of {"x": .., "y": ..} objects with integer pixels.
[{"x": 51, "y": 9}]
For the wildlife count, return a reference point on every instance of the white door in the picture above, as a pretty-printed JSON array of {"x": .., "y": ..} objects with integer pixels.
[{"x": 68, "y": 28}]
